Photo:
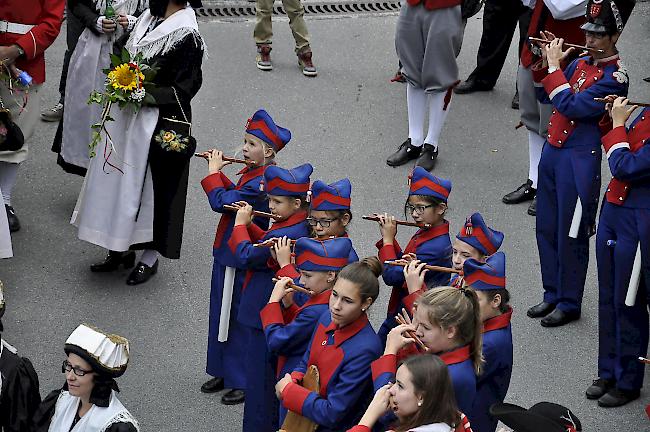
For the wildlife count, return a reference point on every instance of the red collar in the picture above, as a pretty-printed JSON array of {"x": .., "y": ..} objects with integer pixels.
[
  {"x": 423, "y": 235},
  {"x": 248, "y": 174},
  {"x": 322, "y": 298},
  {"x": 606, "y": 61},
  {"x": 345, "y": 333},
  {"x": 498, "y": 322},
  {"x": 457, "y": 355},
  {"x": 294, "y": 219}
]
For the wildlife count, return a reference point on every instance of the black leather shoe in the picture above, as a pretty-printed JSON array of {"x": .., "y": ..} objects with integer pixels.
[
  {"x": 14, "y": 223},
  {"x": 471, "y": 86},
  {"x": 599, "y": 387},
  {"x": 523, "y": 193},
  {"x": 233, "y": 397},
  {"x": 617, "y": 397},
  {"x": 532, "y": 208},
  {"x": 113, "y": 261},
  {"x": 404, "y": 153},
  {"x": 212, "y": 385},
  {"x": 428, "y": 156},
  {"x": 142, "y": 273},
  {"x": 558, "y": 318},
  {"x": 514, "y": 104},
  {"x": 647, "y": 79},
  {"x": 540, "y": 310}
]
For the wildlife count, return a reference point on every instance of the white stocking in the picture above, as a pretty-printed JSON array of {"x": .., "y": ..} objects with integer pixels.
[
  {"x": 149, "y": 257},
  {"x": 535, "y": 144},
  {"x": 8, "y": 174},
  {"x": 437, "y": 115},
  {"x": 416, "y": 101}
]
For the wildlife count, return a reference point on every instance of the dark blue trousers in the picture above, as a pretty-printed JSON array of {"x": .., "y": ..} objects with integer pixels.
[
  {"x": 565, "y": 174},
  {"x": 225, "y": 358},
  {"x": 261, "y": 405},
  {"x": 622, "y": 330}
]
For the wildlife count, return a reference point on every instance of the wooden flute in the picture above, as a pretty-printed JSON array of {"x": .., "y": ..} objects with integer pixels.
[
  {"x": 412, "y": 334},
  {"x": 534, "y": 39},
  {"x": 403, "y": 263},
  {"x": 644, "y": 360},
  {"x": 255, "y": 212},
  {"x": 270, "y": 242},
  {"x": 629, "y": 103},
  {"x": 227, "y": 159},
  {"x": 398, "y": 222},
  {"x": 295, "y": 287}
]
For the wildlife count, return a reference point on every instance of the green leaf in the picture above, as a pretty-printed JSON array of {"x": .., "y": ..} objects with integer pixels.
[
  {"x": 126, "y": 57},
  {"x": 115, "y": 61}
]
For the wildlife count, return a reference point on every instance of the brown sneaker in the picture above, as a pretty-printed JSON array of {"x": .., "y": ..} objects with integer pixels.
[
  {"x": 306, "y": 65},
  {"x": 264, "y": 58}
]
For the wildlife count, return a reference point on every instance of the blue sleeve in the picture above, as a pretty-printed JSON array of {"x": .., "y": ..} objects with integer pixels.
[
  {"x": 393, "y": 275},
  {"x": 540, "y": 91},
  {"x": 382, "y": 380},
  {"x": 290, "y": 338},
  {"x": 250, "y": 192},
  {"x": 251, "y": 257},
  {"x": 345, "y": 392},
  {"x": 628, "y": 166}
]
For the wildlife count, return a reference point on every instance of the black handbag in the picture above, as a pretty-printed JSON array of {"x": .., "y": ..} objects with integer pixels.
[
  {"x": 174, "y": 135},
  {"x": 11, "y": 137}
]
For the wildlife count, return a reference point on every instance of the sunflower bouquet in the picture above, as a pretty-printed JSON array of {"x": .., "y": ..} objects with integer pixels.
[{"x": 127, "y": 81}]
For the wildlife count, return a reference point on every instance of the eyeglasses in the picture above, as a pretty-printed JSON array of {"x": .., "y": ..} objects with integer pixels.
[
  {"x": 419, "y": 209},
  {"x": 67, "y": 367},
  {"x": 595, "y": 35},
  {"x": 325, "y": 223}
]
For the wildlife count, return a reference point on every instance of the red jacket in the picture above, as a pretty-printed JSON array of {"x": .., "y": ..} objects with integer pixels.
[{"x": 46, "y": 16}]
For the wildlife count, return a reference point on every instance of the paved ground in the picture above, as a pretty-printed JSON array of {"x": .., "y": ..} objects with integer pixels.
[{"x": 345, "y": 122}]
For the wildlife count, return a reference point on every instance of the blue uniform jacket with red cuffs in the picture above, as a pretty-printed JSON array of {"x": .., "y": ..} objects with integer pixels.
[
  {"x": 458, "y": 361},
  {"x": 221, "y": 191},
  {"x": 492, "y": 385},
  {"x": 343, "y": 357},
  {"x": 258, "y": 283}
]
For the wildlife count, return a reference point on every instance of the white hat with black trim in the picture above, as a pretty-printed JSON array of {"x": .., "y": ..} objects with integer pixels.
[{"x": 106, "y": 353}]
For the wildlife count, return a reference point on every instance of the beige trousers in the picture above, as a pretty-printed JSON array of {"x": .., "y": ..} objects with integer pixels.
[
  {"x": 263, "y": 32},
  {"x": 26, "y": 118}
]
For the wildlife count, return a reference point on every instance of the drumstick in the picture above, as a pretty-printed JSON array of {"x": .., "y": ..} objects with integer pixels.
[
  {"x": 534, "y": 39},
  {"x": 644, "y": 360},
  {"x": 227, "y": 159},
  {"x": 295, "y": 287},
  {"x": 255, "y": 212},
  {"x": 400, "y": 263},
  {"x": 412, "y": 334},
  {"x": 398, "y": 222},
  {"x": 630, "y": 103}
]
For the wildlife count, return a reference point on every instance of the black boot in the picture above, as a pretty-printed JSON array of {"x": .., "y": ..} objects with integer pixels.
[
  {"x": 404, "y": 153},
  {"x": 213, "y": 385},
  {"x": 525, "y": 192},
  {"x": 428, "y": 156},
  {"x": 599, "y": 387},
  {"x": 540, "y": 310},
  {"x": 532, "y": 208},
  {"x": 233, "y": 397},
  {"x": 113, "y": 261},
  {"x": 618, "y": 397},
  {"x": 14, "y": 223},
  {"x": 142, "y": 273}
]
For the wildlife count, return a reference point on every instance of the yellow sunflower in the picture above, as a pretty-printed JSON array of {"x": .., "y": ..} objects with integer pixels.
[{"x": 125, "y": 78}]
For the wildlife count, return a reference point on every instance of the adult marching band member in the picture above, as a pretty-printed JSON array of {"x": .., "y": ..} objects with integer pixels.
[
  {"x": 287, "y": 326},
  {"x": 342, "y": 348},
  {"x": 428, "y": 38},
  {"x": 287, "y": 197},
  {"x": 562, "y": 18},
  {"x": 427, "y": 204},
  {"x": 488, "y": 280},
  {"x": 88, "y": 400},
  {"x": 136, "y": 200},
  {"x": 19, "y": 395},
  {"x": 447, "y": 321},
  {"x": 85, "y": 75},
  {"x": 569, "y": 169},
  {"x": 623, "y": 254},
  {"x": 422, "y": 398},
  {"x": 226, "y": 336}
]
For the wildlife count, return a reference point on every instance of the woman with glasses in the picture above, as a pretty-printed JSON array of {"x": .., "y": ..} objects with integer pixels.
[
  {"x": 88, "y": 400},
  {"x": 427, "y": 204}
]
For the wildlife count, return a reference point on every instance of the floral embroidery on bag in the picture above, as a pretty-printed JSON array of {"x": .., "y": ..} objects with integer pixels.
[{"x": 172, "y": 141}]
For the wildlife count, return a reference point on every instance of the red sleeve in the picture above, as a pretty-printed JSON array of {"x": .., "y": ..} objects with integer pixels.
[
  {"x": 216, "y": 180},
  {"x": 293, "y": 397},
  {"x": 39, "y": 38},
  {"x": 616, "y": 136},
  {"x": 239, "y": 235},
  {"x": 385, "y": 363},
  {"x": 359, "y": 428},
  {"x": 271, "y": 314},
  {"x": 297, "y": 376},
  {"x": 605, "y": 124},
  {"x": 288, "y": 271},
  {"x": 387, "y": 252},
  {"x": 539, "y": 72},
  {"x": 554, "y": 83},
  {"x": 409, "y": 300},
  {"x": 290, "y": 313},
  {"x": 256, "y": 233}
]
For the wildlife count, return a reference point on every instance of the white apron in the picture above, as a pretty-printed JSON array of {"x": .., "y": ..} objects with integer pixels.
[
  {"x": 97, "y": 419},
  {"x": 90, "y": 57}
]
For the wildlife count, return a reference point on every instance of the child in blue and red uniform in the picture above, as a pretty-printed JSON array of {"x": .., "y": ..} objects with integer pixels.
[
  {"x": 569, "y": 169},
  {"x": 226, "y": 338},
  {"x": 623, "y": 238},
  {"x": 342, "y": 348},
  {"x": 427, "y": 203},
  {"x": 288, "y": 329},
  {"x": 448, "y": 323},
  {"x": 287, "y": 191},
  {"x": 488, "y": 280}
]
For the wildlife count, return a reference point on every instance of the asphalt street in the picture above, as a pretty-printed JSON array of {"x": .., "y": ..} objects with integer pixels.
[{"x": 345, "y": 122}]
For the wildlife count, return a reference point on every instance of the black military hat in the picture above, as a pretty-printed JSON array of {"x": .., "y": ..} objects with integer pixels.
[
  {"x": 607, "y": 16},
  {"x": 541, "y": 417}
]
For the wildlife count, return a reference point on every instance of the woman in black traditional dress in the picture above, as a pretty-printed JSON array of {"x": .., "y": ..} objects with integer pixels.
[
  {"x": 134, "y": 192},
  {"x": 88, "y": 401}
]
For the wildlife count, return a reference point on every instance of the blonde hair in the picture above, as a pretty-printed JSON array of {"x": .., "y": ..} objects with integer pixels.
[{"x": 457, "y": 307}]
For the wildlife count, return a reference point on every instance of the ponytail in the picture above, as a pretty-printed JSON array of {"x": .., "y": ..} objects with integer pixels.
[{"x": 457, "y": 307}]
